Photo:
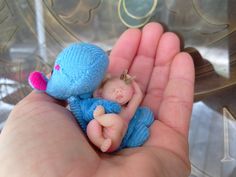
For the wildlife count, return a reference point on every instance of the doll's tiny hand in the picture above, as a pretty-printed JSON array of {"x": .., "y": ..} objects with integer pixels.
[
  {"x": 137, "y": 90},
  {"x": 109, "y": 106},
  {"x": 98, "y": 111}
]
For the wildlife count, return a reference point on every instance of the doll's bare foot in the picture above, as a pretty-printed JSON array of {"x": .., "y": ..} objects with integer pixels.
[
  {"x": 98, "y": 111},
  {"x": 106, "y": 145}
]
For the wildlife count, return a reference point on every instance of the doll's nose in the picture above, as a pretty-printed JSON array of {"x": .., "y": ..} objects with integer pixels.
[
  {"x": 118, "y": 94},
  {"x": 118, "y": 91}
]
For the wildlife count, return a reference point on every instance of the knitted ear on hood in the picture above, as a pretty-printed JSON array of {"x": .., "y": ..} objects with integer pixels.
[{"x": 38, "y": 81}]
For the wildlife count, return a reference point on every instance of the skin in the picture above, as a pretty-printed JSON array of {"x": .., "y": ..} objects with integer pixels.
[
  {"x": 41, "y": 137},
  {"x": 106, "y": 131}
]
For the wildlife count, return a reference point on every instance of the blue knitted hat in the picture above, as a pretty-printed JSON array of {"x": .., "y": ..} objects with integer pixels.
[{"x": 78, "y": 71}]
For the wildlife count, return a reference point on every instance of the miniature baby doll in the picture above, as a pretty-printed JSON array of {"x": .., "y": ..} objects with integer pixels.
[
  {"x": 106, "y": 131},
  {"x": 78, "y": 71}
]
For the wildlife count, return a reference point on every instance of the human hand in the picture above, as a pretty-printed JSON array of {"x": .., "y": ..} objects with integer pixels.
[
  {"x": 166, "y": 76},
  {"x": 41, "y": 137}
]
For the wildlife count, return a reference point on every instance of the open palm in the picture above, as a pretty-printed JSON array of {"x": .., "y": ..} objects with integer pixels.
[{"x": 41, "y": 137}]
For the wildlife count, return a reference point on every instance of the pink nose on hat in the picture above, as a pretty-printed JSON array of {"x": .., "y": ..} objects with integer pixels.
[{"x": 57, "y": 67}]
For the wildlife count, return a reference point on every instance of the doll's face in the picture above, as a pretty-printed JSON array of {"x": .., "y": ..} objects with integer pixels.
[{"x": 117, "y": 90}]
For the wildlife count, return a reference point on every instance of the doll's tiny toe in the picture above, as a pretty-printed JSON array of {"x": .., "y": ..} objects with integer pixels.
[{"x": 106, "y": 145}]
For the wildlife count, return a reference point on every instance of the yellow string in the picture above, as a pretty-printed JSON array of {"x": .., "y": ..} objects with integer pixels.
[
  {"x": 134, "y": 26},
  {"x": 148, "y": 14}
]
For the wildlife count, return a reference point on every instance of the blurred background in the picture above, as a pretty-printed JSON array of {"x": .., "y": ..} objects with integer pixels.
[{"x": 32, "y": 32}]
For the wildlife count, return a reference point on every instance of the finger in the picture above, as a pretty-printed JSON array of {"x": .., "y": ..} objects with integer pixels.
[
  {"x": 124, "y": 51},
  {"x": 168, "y": 47},
  {"x": 144, "y": 61},
  {"x": 176, "y": 106},
  {"x": 164, "y": 137},
  {"x": 175, "y": 109}
]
